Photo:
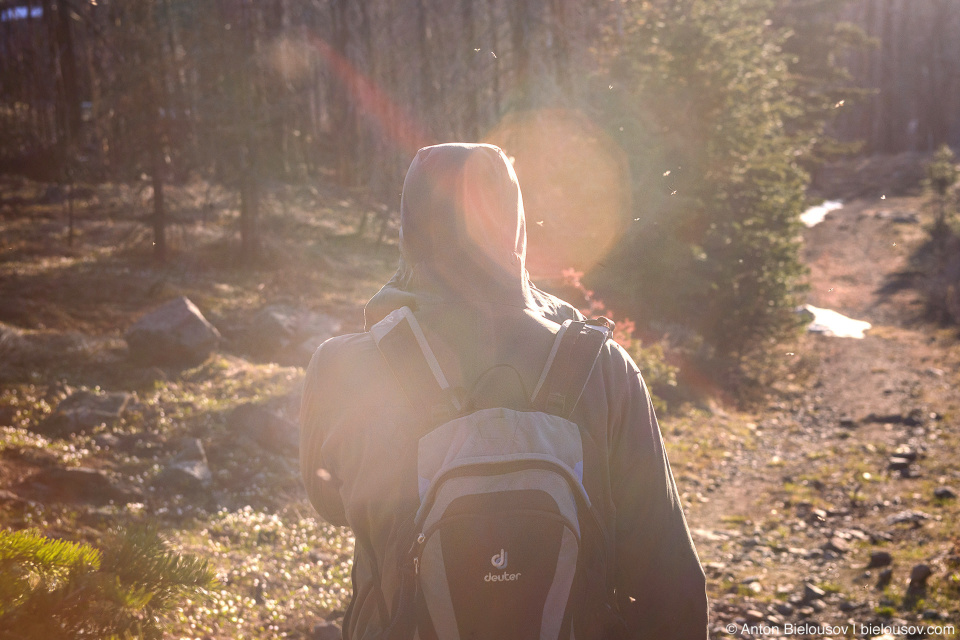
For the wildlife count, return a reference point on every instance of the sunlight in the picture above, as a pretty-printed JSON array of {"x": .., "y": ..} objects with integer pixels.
[
  {"x": 372, "y": 102},
  {"x": 575, "y": 184}
]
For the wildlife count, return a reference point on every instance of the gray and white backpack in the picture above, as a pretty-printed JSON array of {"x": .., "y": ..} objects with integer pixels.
[{"x": 506, "y": 543}]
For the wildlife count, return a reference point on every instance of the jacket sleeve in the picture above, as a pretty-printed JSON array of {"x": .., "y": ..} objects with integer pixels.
[
  {"x": 319, "y": 401},
  {"x": 661, "y": 589}
]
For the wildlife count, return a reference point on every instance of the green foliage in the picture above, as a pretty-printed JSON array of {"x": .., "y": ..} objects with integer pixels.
[
  {"x": 658, "y": 373},
  {"x": 942, "y": 171},
  {"x": 58, "y": 589},
  {"x": 723, "y": 128},
  {"x": 942, "y": 176}
]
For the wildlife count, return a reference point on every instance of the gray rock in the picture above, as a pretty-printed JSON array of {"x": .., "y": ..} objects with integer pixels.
[
  {"x": 272, "y": 329},
  {"x": 784, "y": 608},
  {"x": 812, "y": 592},
  {"x": 754, "y": 616},
  {"x": 884, "y": 578},
  {"x": 918, "y": 577},
  {"x": 190, "y": 450},
  {"x": 837, "y": 545},
  {"x": 268, "y": 429},
  {"x": 84, "y": 410},
  {"x": 908, "y": 517},
  {"x": 78, "y": 484},
  {"x": 186, "y": 476},
  {"x": 288, "y": 336},
  {"x": 175, "y": 333},
  {"x": 898, "y": 464},
  {"x": 108, "y": 441},
  {"x": 945, "y": 493},
  {"x": 313, "y": 329},
  {"x": 880, "y": 559}
]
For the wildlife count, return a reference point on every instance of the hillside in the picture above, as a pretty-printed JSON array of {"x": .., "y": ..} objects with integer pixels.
[{"x": 850, "y": 455}]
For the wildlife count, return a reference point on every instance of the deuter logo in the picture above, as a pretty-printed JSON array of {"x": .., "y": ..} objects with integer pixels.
[
  {"x": 501, "y": 577},
  {"x": 499, "y": 561}
]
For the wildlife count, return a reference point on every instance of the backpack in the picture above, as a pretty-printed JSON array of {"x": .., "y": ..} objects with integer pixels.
[{"x": 506, "y": 543}]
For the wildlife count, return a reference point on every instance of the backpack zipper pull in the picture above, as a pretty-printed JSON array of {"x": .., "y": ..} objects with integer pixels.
[{"x": 416, "y": 558}]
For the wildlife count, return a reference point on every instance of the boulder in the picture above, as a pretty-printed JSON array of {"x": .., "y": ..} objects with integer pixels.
[
  {"x": 945, "y": 493},
  {"x": 77, "y": 485},
  {"x": 83, "y": 410},
  {"x": 286, "y": 335},
  {"x": 185, "y": 476},
  {"x": 175, "y": 334},
  {"x": 812, "y": 592},
  {"x": 918, "y": 578},
  {"x": 272, "y": 329},
  {"x": 190, "y": 450},
  {"x": 270, "y": 430},
  {"x": 880, "y": 559}
]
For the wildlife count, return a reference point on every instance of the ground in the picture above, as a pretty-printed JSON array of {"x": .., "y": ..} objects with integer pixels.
[{"x": 797, "y": 491}]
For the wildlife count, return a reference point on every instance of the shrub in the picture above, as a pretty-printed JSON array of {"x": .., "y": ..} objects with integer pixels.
[
  {"x": 58, "y": 589},
  {"x": 659, "y": 374}
]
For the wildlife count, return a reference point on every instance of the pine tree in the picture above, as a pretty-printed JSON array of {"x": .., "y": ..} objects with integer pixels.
[{"x": 58, "y": 589}]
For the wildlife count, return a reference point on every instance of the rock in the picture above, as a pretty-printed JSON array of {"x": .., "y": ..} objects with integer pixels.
[
  {"x": 837, "y": 544},
  {"x": 325, "y": 631},
  {"x": 755, "y": 587},
  {"x": 846, "y": 606},
  {"x": 879, "y": 559},
  {"x": 272, "y": 329},
  {"x": 313, "y": 329},
  {"x": 805, "y": 612},
  {"x": 268, "y": 429},
  {"x": 190, "y": 450},
  {"x": 784, "y": 608},
  {"x": 83, "y": 410},
  {"x": 754, "y": 616},
  {"x": 78, "y": 484},
  {"x": 176, "y": 334},
  {"x": 898, "y": 464},
  {"x": 905, "y": 452},
  {"x": 908, "y": 517},
  {"x": 812, "y": 592},
  {"x": 186, "y": 476},
  {"x": 108, "y": 441},
  {"x": 944, "y": 493},
  {"x": 884, "y": 579},
  {"x": 288, "y": 336},
  {"x": 918, "y": 577}
]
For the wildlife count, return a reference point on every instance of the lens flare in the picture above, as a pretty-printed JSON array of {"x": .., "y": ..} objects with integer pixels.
[{"x": 574, "y": 180}]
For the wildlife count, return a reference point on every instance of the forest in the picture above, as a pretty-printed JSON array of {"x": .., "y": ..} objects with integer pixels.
[{"x": 241, "y": 163}]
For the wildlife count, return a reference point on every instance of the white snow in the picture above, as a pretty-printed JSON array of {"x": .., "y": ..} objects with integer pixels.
[
  {"x": 815, "y": 215},
  {"x": 831, "y": 323}
]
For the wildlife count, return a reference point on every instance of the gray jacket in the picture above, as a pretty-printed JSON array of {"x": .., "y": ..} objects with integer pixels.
[{"x": 478, "y": 309}]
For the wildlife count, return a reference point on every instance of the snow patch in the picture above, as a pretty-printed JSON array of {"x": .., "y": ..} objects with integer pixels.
[
  {"x": 831, "y": 323},
  {"x": 815, "y": 215}
]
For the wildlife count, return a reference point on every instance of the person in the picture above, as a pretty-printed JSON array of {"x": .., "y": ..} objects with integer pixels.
[{"x": 463, "y": 274}]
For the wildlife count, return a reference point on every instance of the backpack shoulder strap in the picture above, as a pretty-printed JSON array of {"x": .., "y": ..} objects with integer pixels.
[
  {"x": 402, "y": 344},
  {"x": 568, "y": 367}
]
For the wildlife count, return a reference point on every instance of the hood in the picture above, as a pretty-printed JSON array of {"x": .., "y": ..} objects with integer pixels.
[
  {"x": 462, "y": 229},
  {"x": 462, "y": 235}
]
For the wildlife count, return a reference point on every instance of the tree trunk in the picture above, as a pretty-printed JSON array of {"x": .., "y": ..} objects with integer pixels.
[{"x": 159, "y": 208}]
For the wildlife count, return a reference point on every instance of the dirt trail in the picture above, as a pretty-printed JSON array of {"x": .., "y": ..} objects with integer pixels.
[{"x": 805, "y": 492}]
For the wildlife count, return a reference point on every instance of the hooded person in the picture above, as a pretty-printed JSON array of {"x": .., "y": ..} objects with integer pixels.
[{"x": 463, "y": 274}]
